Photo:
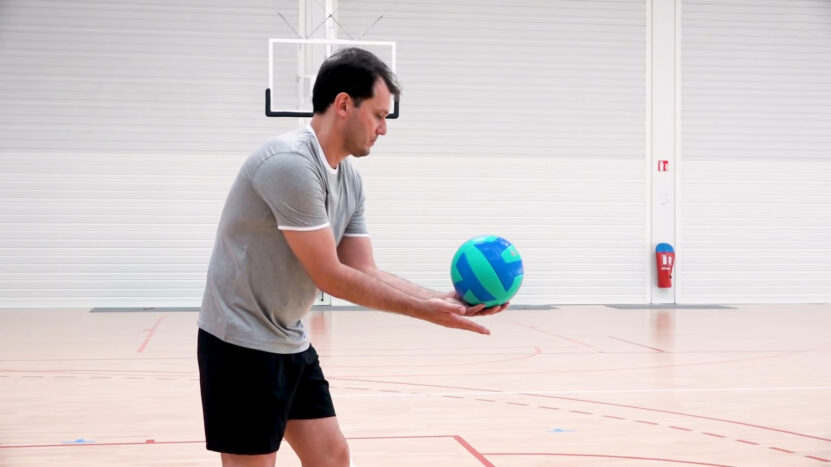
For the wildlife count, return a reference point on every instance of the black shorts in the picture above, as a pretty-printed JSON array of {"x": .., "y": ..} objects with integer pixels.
[{"x": 249, "y": 395}]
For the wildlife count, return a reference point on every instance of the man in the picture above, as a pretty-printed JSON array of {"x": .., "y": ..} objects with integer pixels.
[{"x": 294, "y": 223}]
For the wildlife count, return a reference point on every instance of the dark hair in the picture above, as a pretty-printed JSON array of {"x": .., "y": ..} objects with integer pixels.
[{"x": 353, "y": 71}]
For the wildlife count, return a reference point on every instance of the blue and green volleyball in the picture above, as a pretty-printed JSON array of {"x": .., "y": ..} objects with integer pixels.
[{"x": 486, "y": 269}]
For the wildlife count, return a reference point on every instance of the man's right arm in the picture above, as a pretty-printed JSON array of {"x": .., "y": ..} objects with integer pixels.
[{"x": 317, "y": 252}]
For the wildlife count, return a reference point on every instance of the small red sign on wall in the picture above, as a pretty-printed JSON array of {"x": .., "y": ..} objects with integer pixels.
[{"x": 663, "y": 166}]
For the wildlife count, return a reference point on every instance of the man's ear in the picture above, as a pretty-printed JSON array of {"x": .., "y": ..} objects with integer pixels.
[{"x": 342, "y": 104}]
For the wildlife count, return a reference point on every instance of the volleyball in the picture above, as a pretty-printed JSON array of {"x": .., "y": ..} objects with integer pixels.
[{"x": 486, "y": 269}]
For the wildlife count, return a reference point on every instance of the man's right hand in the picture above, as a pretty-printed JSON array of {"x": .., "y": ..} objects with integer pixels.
[
  {"x": 449, "y": 314},
  {"x": 475, "y": 310}
]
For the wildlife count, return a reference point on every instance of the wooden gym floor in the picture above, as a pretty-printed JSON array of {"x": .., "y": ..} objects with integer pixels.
[{"x": 571, "y": 386}]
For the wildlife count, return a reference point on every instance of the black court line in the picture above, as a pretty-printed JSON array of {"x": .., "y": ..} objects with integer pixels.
[
  {"x": 360, "y": 308},
  {"x": 671, "y": 306},
  {"x": 144, "y": 309},
  {"x": 314, "y": 308}
]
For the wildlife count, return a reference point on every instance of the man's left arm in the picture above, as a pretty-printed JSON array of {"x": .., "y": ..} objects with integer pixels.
[{"x": 356, "y": 251}]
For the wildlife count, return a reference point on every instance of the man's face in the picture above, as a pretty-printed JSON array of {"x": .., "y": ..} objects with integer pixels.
[{"x": 368, "y": 121}]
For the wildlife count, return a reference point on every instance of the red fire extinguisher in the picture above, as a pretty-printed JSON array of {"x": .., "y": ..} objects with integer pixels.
[{"x": 665, "y": 259}]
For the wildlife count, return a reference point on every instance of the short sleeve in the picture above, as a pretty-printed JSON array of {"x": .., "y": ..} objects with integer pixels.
[
  {"x": 292, "y": 188},
  {"x": 357, "y": 223}
]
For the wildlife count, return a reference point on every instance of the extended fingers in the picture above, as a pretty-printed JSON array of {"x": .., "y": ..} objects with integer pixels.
[{"x": 471, "y": 326}]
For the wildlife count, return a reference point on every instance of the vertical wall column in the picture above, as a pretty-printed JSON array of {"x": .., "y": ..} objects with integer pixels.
[
  {"x": 664, "y": 111},
  {"x": 315, "y": 21}
]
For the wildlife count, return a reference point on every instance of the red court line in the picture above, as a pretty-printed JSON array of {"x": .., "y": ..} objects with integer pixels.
[
  {"x": 604, "y": 456},
  {"x": 473, "y": 451},
  {"x": 680, "y": 428},
  {"x": 457, "y": 438},
  {"x": 400, "y": 437},
  {"x": 680, "y": 352},
  {"x": 703, "y": 417},
  {"x": 635, "y": 343},
  {"x": 149, "y": 335},
  {"x": 534, "y": 352},
  {"x": 658, "y": 424},
  {"x": 535, "y": 328},
  {"x": 78, "y": 445},
  {"x": 599, "y": 370},
  {"x": 106, "y": 372},
  {"x": 128, "y": 359}
]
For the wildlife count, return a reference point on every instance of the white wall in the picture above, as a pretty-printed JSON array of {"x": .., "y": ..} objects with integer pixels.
[
  {"x": 123, "y": 124},
  {"x": 521, "y": 121},
  {"x": 755, "y": 210}
]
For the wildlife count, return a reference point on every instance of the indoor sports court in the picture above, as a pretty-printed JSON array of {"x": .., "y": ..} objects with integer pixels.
[
  {"x": 661, "y": 167},
  {"x": 579, "y": 385}
]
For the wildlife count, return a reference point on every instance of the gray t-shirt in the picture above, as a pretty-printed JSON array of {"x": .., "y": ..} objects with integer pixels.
[{"x": 257, "y": 291}]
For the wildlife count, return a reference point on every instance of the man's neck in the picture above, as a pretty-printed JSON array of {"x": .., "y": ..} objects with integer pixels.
[{"x": 329, "y": 138}]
